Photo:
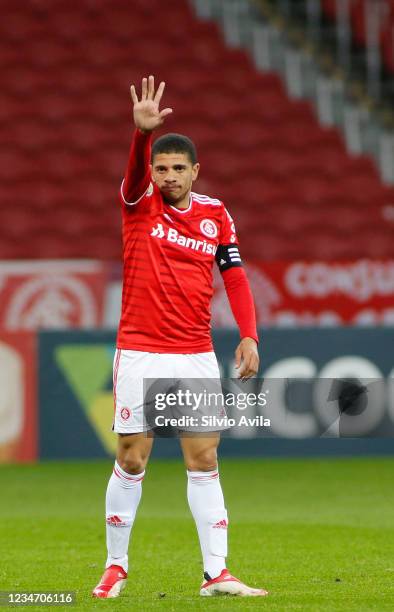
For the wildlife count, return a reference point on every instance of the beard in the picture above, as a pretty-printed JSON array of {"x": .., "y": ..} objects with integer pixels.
[{"x": 172, "y": 198}]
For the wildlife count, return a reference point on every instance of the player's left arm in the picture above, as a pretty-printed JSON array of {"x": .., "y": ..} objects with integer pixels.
[{"x": 240, "y": 298}]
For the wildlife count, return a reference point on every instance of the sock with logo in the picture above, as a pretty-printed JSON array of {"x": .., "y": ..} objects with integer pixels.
[
  {"x": 123, "y": 496},
  {"x": 206, "y": 502}
]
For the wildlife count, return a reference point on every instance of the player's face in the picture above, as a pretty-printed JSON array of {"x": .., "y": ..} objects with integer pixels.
[{"x": 174, "y": 174}]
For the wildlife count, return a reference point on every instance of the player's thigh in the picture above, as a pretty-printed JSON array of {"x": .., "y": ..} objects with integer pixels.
[
  {"x": 131, "y": 371},
  {"x": 200, "y": 451},
  {"x": 133, "y": 451},
  {"x": 198, "y": 376}
]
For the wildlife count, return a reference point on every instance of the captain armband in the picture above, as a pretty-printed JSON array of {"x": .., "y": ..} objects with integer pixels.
[{"x": 227, "y": 256}]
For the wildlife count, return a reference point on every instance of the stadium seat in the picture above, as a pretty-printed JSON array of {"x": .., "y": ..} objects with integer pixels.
[
  {"x": 358, "y": 25},
  {"x": 66, "y": 123}
]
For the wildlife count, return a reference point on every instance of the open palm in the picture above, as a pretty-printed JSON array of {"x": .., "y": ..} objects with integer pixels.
[{"x": 146, "y": 111}]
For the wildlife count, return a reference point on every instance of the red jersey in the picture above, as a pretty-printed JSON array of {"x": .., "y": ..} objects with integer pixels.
[{"x": 168, "y": 260}]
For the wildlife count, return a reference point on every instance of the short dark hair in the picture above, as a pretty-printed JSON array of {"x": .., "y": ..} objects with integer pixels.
[{"x": 175, "y": 143}]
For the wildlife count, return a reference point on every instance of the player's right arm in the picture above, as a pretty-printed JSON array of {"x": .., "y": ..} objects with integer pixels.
[{"x": 147, "y": 117}]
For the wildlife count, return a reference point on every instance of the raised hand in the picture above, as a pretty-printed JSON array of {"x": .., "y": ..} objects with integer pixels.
[{"x": 147, "y": 116}]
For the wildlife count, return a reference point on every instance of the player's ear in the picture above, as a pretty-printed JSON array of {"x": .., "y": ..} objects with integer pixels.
[
  {"x": 151, "y": 172},
  {"x": 195, "y": 171}
]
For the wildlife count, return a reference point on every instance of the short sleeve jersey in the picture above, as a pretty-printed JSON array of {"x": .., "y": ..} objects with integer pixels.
[{"x": 168, "y": 257}]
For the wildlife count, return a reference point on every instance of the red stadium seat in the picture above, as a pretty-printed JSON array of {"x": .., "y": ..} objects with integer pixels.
[{"x": 66, "y": 121}]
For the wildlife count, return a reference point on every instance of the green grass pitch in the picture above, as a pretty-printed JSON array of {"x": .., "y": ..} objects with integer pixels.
[{"x": 318, "y": 534}]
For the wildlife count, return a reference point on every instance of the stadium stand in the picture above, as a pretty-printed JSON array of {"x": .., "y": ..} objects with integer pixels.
[
  {"x": 359, "y": 32},
  {"x": 65, "y": 119}
]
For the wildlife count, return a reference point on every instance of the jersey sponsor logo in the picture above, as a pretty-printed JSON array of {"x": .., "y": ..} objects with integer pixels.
[
  {"x": 172, "y": 235},
  {"x": 158, "y": 231},
  {"x": 208, "y": 228},
  {"x": 125, "y": 414},
  {"x": 233, "y": 238}
]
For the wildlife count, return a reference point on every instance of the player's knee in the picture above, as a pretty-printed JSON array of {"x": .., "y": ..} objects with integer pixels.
[
  {"x": 132, "y": 464},
  {"x": 203, "y": 461},
  {"x": 133, "y": 453}
]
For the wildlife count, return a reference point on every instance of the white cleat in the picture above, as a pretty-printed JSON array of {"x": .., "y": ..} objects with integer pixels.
[{"x": 226, "y": 584}]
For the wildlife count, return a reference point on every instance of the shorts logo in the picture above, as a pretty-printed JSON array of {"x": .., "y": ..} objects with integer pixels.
[
  {"x": 125, "y": 414},
  {"x": 208, "y": 228},
  {"x": 222, "y": 412}
]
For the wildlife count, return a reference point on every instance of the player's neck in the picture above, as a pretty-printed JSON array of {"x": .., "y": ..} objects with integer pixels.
[{"x": 184, "y": 203}]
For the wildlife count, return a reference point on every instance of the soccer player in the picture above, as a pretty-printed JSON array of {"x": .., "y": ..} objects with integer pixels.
[{"x": 171, "y": 238}]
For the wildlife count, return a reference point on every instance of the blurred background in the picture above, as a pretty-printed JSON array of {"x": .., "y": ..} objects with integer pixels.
[{"x": 290, "y": 105}]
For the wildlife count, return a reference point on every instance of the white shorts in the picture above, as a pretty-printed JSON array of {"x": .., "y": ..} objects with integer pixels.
[{"x": 132, "y": 367}]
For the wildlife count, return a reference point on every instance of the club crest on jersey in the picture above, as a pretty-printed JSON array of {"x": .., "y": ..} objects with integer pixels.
[
  {"x": 125, "y": 414},
  {"x": 208, "y": 228},
  {"x": 172, "y": 235}
]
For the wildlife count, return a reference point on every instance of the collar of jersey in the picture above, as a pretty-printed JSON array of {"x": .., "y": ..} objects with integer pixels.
[{"x": 185, "y": 210}]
